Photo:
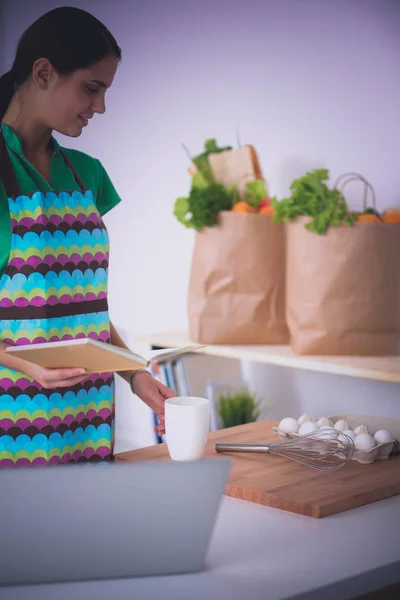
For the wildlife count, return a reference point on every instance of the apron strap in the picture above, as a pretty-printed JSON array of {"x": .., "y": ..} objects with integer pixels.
[
  {"x": 69, "y": 164},
  {"x": 9, "y": 179},
  {"x": 7, "y": 174}
]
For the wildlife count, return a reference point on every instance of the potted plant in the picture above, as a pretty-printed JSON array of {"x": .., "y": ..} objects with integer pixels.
[{"x": 238, "y": 408}]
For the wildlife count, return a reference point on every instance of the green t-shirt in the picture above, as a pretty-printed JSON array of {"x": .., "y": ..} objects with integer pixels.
[{"x": 30, "y": 180}]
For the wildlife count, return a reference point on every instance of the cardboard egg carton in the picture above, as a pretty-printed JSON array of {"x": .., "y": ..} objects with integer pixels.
[{"x": 378, "y": 452}]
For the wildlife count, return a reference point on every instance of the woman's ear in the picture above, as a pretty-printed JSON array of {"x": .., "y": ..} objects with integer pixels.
[{"x": 42, "y": 72}]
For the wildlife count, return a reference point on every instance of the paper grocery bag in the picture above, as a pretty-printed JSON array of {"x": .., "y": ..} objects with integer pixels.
[
  {"x": 342, "y": 289},
  {"x": 237, "y": 282},
  {"x": 236, "y": 167}
]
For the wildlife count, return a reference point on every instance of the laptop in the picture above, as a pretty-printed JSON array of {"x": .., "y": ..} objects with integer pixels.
[{"x": 87, "y": 522}]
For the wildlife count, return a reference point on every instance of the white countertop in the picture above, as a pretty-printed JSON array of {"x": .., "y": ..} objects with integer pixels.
[{"x": 263, "y": 553}]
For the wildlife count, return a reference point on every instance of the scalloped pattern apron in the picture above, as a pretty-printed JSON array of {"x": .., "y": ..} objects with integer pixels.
[{"x": 54, "y": 288}]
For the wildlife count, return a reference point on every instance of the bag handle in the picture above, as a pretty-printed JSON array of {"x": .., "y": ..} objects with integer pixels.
[
  {"x": 346, "y": 178},
  {"x": 256, "y": 162}
]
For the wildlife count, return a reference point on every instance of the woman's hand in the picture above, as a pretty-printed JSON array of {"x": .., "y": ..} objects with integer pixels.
[
  {"x": 48, "y": 378},
  {"x": 154, "y": 394},
  {"x": 54, "y": 378}
]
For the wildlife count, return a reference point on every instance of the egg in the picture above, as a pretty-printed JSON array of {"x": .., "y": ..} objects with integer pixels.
[
  {"x": 305, "y": 418},
  {"x": 341, "y": 425},
  {"x": 328, "y": 433},
  {"x": 364, "y": 441},
  {"x": 361, "y": 429},
  {"x": 288, "y": 425},
  {"x": 349, "y": 433},
  {"x": 382, "y": 436},
  {"x": 308, "y": 427},
  {"x": 324, "y": 422}
]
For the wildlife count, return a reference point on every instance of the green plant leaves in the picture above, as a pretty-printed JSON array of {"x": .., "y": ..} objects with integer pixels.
[{"x": 238, "y": 408}]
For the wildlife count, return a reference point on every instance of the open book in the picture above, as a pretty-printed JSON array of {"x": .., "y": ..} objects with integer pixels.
[{"x": 93, "y": 355}]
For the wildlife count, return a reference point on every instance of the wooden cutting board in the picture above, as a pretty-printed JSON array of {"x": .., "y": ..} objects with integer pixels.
[{"x": 282, "y": 483}]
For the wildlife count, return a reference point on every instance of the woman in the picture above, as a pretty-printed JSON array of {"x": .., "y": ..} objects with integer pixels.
[{"x": 54, "y": 245}]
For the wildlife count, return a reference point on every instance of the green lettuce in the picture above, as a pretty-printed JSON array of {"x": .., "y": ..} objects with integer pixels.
[
  {"x": 312, "y": 197},
  {"x": 255, "y": 192}
]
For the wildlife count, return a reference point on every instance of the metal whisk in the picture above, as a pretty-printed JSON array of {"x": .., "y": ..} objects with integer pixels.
[{"x": 324, "y": 450}]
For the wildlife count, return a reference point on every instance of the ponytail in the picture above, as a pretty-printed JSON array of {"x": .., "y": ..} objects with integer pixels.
[{"x": 7, "y": 89}]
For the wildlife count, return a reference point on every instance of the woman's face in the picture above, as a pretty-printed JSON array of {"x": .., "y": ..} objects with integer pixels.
[{"x": 68, "y": 102}]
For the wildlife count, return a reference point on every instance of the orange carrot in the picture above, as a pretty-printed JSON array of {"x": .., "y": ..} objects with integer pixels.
[
  {"x": 266, "y": 210},
  {"x": 242, "y": 207},
  {"x": 368, "y": 218},
  {"x": 391, "y": 217}
]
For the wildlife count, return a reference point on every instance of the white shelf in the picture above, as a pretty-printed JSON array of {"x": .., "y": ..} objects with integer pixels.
[{"x": 381, "y": 368}]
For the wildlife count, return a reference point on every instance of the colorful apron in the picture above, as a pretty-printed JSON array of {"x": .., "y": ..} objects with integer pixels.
[{"x": 54, "y": 288}]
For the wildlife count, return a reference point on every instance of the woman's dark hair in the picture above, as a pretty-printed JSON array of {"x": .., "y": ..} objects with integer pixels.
[{"x": 70, "y": 38}]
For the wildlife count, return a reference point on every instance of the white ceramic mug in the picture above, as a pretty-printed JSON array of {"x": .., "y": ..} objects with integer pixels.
[{"x": 187, "y": 423}]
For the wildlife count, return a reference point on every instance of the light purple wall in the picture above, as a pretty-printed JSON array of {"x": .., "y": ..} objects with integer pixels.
[{"x": 309, "y": 82}]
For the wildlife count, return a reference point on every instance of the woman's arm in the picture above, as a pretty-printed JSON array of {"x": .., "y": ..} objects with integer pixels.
[
  {"x": 152, "y": 392},
  {"x": 48, "y": 378},
  {"x": 116, "y": 340},
  {"x": 9, "y": 361}
]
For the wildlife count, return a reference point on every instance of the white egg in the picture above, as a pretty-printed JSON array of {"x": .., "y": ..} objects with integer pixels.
[
  {"x": 341, "y": 425},
  {"x": 349, "y": 433},
  {"x": 305, "y": 418},
  {"x": 324, "y": 422},
  {"x": 364, "y": 441},
  {"x": 361, "y": 429},
  {"x": 308, "y": 427},
  {"x": 328, "y": 433},
  {"x": 288, "y": 425},
  {"x": 382, "y": 436}
]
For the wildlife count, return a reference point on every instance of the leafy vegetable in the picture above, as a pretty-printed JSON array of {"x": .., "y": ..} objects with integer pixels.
[
  {"x": 201, "y": 161},
  {"x": 207, "y": 202},
  {"x": 255, "y": 192},
  {"x": 199, "y": 181},
  {"x": 211, "y": 146},
  {"x": 202, "y": 206},
  {"x": 206, "y": 198},
  {"x": 312, "y": 197},
  {"x": 182, "y": 211}
]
